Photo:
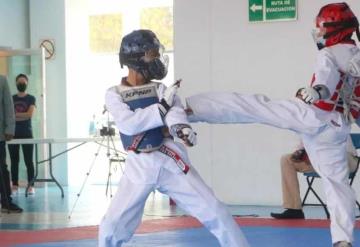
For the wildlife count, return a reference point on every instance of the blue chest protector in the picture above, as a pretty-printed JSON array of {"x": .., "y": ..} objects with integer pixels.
[{"x": 141, "y": 97}]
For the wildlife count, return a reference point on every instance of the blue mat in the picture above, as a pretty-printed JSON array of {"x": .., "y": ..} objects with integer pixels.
[{"x": 200, "y": 237}]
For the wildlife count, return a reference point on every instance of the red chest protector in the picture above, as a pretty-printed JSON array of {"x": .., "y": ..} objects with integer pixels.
[{"x": 336, "y": 103}]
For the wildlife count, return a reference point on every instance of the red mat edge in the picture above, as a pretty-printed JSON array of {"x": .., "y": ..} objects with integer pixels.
[{"x": 12, "y": 237}]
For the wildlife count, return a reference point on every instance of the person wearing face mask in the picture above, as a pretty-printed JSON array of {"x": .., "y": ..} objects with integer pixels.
[{"x": 24, "y": 105}]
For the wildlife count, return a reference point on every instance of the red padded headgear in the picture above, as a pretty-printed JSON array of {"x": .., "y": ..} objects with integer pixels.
[{"x": 336, "y": 23}]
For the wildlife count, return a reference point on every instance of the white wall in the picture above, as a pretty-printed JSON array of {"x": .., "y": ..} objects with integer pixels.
[
  {"x": 216, "y": 48},
  {"x": 47, "y": 20},
  {"x": 15, "y": 24}
]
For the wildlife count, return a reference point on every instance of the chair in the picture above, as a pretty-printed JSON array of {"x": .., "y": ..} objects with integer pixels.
[{"x": 311, "y": 176}]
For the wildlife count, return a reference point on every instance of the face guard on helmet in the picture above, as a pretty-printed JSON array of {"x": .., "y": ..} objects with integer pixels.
[
  {"x": 141, "y": 51},
  {"x": 335, "y": 23}
]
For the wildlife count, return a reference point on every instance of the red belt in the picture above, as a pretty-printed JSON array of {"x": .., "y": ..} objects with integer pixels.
[
  {"x": 163, "y": 149},
  {"x": 172, "y": 154}
]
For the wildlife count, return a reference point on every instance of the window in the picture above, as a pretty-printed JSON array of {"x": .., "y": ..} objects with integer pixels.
[
  {"x": 105, "y": 33},
  {"x": 160, "y": 21}
]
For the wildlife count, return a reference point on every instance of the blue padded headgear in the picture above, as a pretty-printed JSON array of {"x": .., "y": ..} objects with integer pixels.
[{"x": 132, "y": 52}]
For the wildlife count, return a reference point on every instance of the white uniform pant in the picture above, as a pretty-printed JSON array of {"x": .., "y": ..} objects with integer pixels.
[
  {"x": 324, "y": 136},
  {"x": 145, "y": 172}
]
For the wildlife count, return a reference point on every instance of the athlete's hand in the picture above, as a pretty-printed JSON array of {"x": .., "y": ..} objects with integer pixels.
[
  {"x": 309, "y": 95},
  {"x": 185, "y": 133},
  {"x": 170, "y": 92},
  {"x": 188, "y": 136},
  {"x": 167, "y": 100}
]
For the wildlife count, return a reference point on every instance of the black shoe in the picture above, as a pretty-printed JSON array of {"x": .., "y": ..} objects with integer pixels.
[
  {"x": 342, "y": 244},
  {"x": 13, "y": 208},
  {"x": 289, "y": 214}
]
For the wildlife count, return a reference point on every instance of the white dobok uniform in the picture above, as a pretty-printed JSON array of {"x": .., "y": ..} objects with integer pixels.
[
  {"x": 146, "y": 171},
  {"x": 323, "y": 131}
]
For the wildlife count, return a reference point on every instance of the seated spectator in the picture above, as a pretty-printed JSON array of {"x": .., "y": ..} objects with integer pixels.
[{"x": 296, "y": 162}]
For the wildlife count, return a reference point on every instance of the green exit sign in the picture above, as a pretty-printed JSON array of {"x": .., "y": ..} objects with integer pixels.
[{"x": 272, "y": 10}]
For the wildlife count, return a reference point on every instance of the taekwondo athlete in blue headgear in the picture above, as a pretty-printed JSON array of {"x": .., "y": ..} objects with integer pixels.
[{"x": 149, "y": 117}]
